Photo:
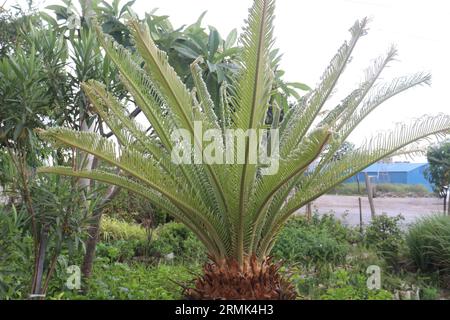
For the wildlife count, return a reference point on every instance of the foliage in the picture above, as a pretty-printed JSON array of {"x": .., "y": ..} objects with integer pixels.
[
  {"x": 177, "y": 239},
  {"x": 319, "y": 242},
  {"x": 119, "y": 281},
  {"x": 428, "y": 241},
  {"x": 439, "y": 171},
  {"x": 384, "y": 233},
  {"x": 429, "y": 293},
  {"x": 15, "y": 254},
  {"x": 118, "y": 251},
  {"x": 235, "y": 209},
  {"x": 131, "y": 208},
  {"x": 345, "y": 286},
  {"x": 112, "y": 229},
  {"x": 27, "y": 79},
  {"x": 383, "y": 190}
]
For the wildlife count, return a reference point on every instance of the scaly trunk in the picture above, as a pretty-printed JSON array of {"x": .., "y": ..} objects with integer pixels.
[{"x": 256, "y": 280}]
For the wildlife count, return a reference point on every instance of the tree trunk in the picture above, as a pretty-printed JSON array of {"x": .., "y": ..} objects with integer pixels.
[
  {"x": 94, "y": 232},
  {"x": 36, "y": 290},
  {"x": 89, "y": 257},
  {"x": 448, "y": 204}
]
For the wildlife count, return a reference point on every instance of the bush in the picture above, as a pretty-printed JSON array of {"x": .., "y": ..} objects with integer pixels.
[
  {"x": 177, "y": 239},
  {"x": 429, "y": 244},
  {"x": 119, "y": 281},
  {"x": 352, "y": 286},
  {"x": 132, "y": 208},
  {"x": 323, "y": 240},
  {"x": 118, "y": 251},
  {"x": 385, "y": 235},
  {"x": 112, "y": 230}
]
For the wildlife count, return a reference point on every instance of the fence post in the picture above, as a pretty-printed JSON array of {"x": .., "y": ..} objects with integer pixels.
[
  {"x": 360, "y": 215},
  {"x": 370, "y": 194},
  {"x": 309, "y": 212}
]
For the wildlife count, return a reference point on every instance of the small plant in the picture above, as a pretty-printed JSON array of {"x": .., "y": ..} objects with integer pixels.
[
  {"x": 385, "y": 235},
  {"x": 429, "y": 293}
]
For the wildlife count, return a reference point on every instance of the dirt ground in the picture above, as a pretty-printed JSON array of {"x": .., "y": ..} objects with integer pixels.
[{"x": 347, "y": 208}]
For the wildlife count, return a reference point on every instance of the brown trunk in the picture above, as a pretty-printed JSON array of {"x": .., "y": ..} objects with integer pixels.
[
  {"x": 36, "y": 290},
  {"x": 91, "y": 244},
  {"x": 256, "y": 280},
  {"x": 94, "y": 232}
]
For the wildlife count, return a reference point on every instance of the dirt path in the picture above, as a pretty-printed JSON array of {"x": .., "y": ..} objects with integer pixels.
[{"x": 346, "y": 207}]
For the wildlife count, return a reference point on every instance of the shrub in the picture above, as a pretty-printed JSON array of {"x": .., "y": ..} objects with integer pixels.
[
  {"x": 177, "y": 239},
  {"x": 112, "y": 230},
  {"x": 429, "y": 244},
  {"x": 352, "y": 286},
  {"x": 118, "y": 251},
  {"x": 385, "y": 235},
  {"x": 133, "y": 208},
  {"x": 323, "y": 240}
]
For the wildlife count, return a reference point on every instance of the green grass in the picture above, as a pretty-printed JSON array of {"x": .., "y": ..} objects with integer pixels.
[
  {"x": 429, "y": 244},
  {"x": 113, "y": 229},
  {"x": 385, "y": 189}
]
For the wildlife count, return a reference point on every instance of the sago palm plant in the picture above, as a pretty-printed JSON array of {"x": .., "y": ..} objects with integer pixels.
[{"x": 237, "y": 209}]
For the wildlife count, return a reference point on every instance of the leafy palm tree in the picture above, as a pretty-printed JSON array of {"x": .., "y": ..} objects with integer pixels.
[{"x": 234, "y": 209}]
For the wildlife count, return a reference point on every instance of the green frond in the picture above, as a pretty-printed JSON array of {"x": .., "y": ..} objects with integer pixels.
[
  {"x": 175, "y": 94},
  {"x": 378, "y": 147},
  {"x": 252, "y": 90},
  {"x": 206, "y": 103},
  {"x": 289, "y": 168},
  {"x": 380, "y": 94},
  {"x": 138, "y": 83},
  {"x": 162, "y": 74},
  {"x": 310, "y": 106},
  {"x": 151, "y": 195}
]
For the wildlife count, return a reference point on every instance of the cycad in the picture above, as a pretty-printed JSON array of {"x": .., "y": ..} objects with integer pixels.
[{"x": 235, "y": 210}]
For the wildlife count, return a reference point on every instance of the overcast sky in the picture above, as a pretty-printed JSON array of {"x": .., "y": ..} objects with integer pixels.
[{"x": 310, "y": 32}]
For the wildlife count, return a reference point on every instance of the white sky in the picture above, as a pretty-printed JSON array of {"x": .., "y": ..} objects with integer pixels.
[{"x": 310, "y": 32}]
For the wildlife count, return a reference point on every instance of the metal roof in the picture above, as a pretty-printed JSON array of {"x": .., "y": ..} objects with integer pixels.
[{"x": 394, "y": 167}]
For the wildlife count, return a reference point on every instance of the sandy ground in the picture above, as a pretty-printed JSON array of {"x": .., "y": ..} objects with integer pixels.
[{"x": 347, "y": 208}]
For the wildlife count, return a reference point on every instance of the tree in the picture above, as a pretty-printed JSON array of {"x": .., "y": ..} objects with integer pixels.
[
  {"x": 439, "y": 171},
  {"x": 236, "y": 209}
]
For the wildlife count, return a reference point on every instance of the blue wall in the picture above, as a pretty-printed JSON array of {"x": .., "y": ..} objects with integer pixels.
[
  {"x": 414, "y": 176},
  {"x": 417, "y": 176}
]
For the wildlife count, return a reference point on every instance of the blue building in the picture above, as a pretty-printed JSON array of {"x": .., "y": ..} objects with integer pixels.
[{"x": 398, "y": 173}]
